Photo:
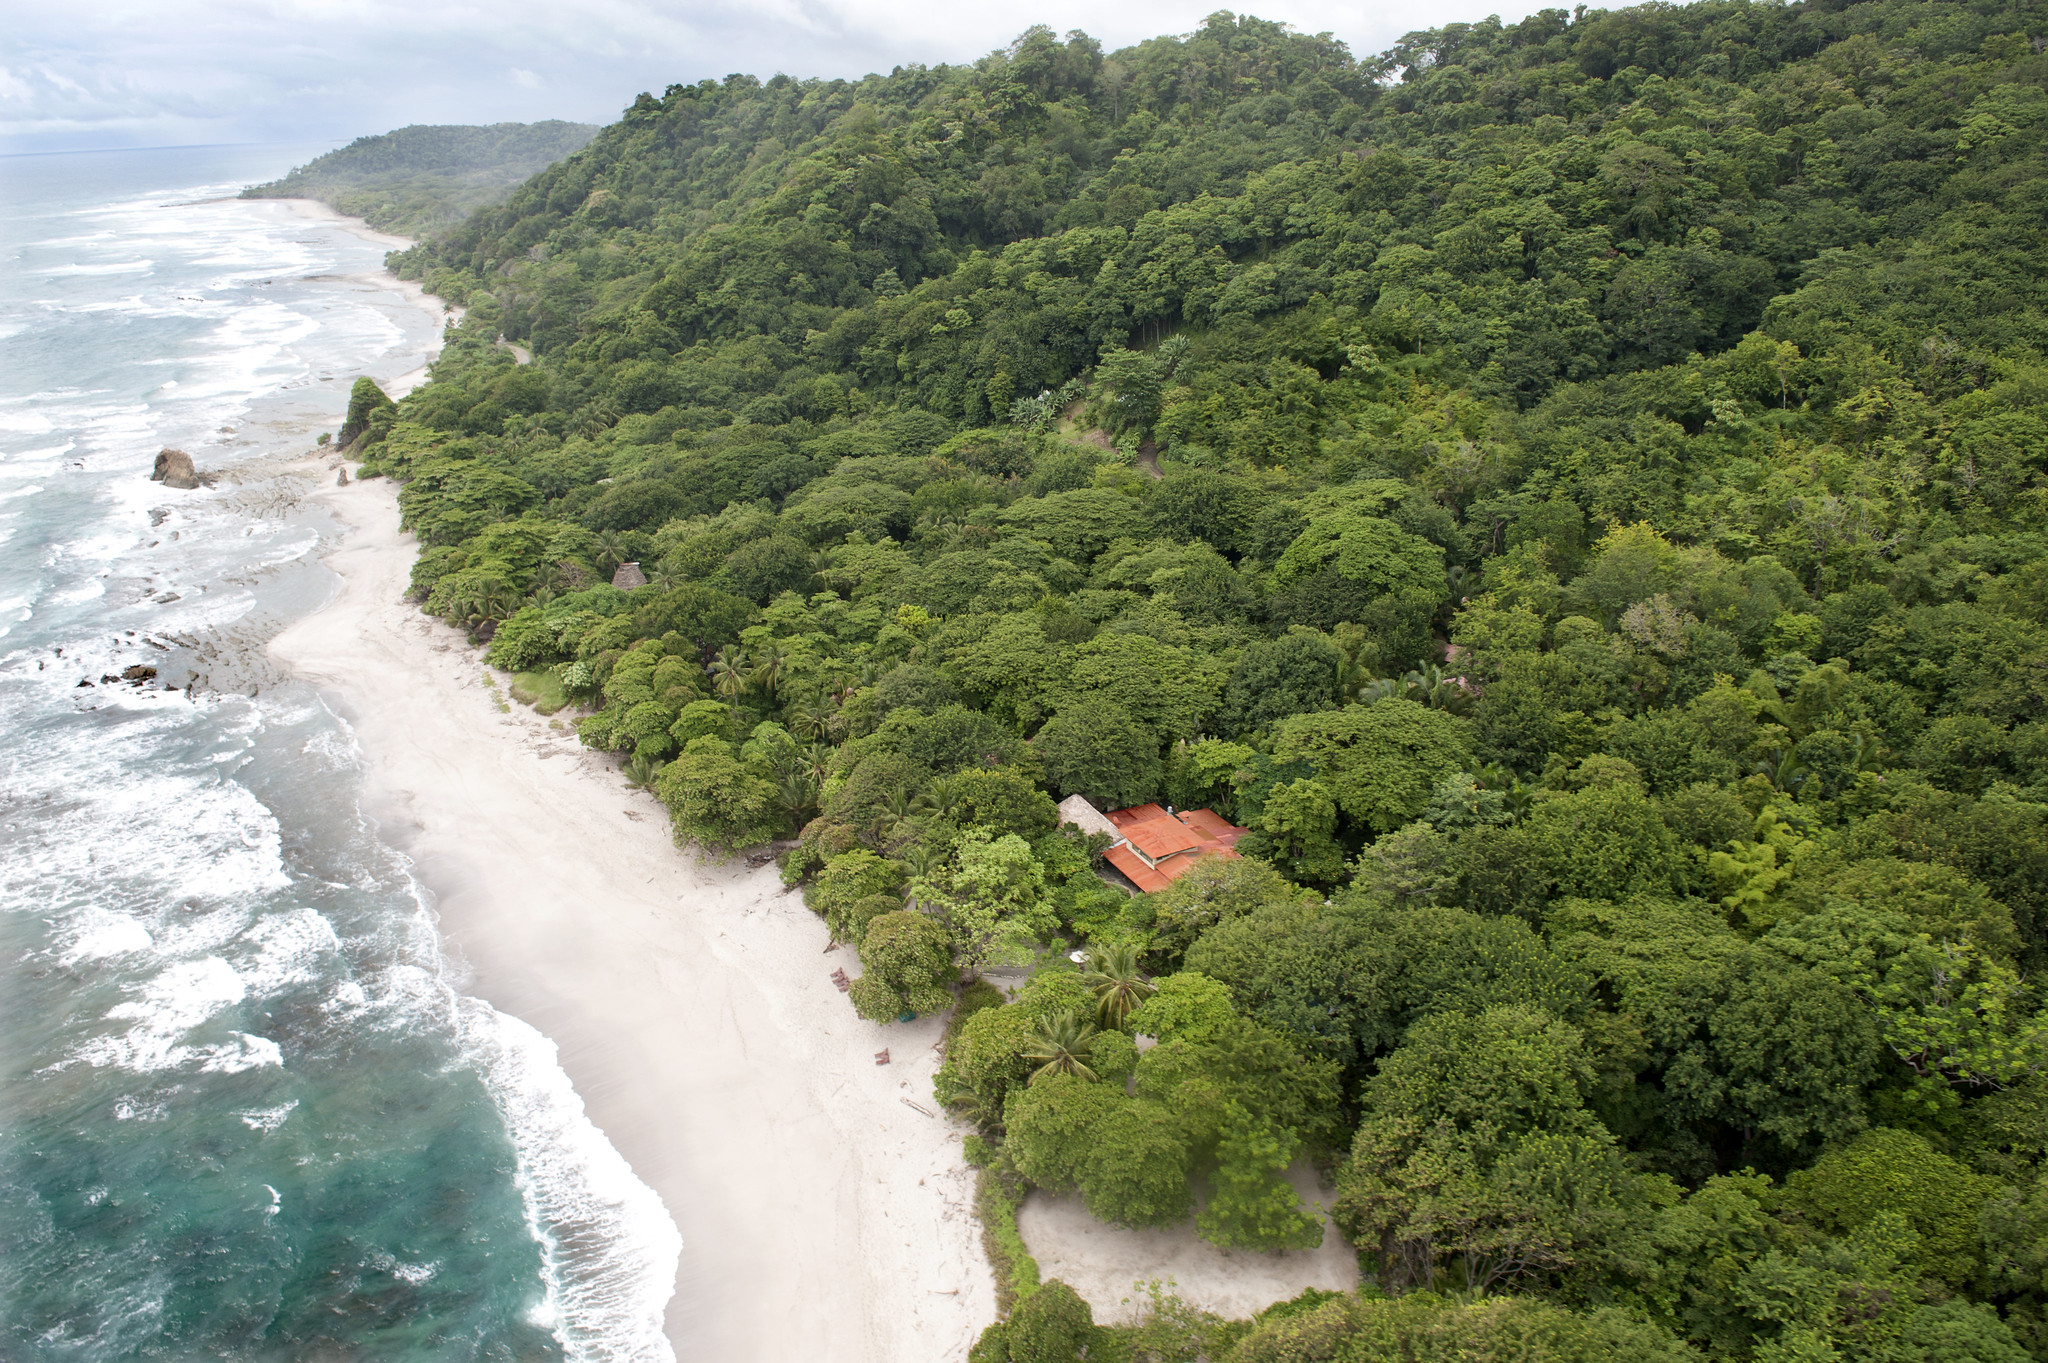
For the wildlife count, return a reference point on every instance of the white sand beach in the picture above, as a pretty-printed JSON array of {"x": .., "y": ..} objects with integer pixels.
[{"x": 825, "y": 1210}]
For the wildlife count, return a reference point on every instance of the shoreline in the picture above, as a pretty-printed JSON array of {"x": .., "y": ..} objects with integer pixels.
[
  {"x": 825, "y": 1209},
  {"x": 312, "y": 210}
]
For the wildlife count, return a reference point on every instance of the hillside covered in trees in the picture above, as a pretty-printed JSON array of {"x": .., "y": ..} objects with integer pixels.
[
  {"x": 1573, "y": 490},
  {"x": 426, "y": 178}
]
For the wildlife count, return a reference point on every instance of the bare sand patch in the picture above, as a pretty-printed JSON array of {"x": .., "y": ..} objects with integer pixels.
[{"x": 1109, "y": 1265}]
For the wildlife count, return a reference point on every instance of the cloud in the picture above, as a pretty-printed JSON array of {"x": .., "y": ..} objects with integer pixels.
[{"x": 184, "y": 71}]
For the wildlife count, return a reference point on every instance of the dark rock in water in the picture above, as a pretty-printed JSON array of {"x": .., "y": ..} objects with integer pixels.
[
  {"x": 628, "y": 577},
  {"x": 138, "y": 674},
  {"x": 174, "y": 469},
  {"x": 81, "y": 682}
]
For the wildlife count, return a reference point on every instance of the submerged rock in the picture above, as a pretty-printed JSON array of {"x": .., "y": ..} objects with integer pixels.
[{"x": 174, "y": 469}]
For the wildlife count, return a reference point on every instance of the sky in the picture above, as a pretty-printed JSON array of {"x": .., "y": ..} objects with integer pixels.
[{"x": 142, "y": 73}]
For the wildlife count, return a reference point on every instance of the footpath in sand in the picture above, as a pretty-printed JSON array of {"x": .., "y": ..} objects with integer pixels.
[{"x": 825, "y": 1210}]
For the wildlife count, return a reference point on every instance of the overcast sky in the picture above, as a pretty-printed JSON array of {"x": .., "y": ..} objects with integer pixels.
[{"x": 111, "y": 73}]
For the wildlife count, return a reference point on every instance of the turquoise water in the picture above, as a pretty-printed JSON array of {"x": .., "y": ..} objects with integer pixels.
[{"x": 246, "y": 1111}]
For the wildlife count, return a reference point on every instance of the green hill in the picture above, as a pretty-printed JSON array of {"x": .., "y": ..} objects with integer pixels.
[
  {"x": 1575, "y": 492},
  {"x": 422, "y": 179}
]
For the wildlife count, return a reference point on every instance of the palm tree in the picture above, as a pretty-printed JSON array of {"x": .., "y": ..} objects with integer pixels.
[
  {"x": 641, "y": 771},
  {"x": 809, "y": 716},
  {"x": 499, "y": 600},
  {"x": 894, "y": 819},
  {"x": 612, "y": 550},
  {"x": 1867, "y": 755},
  {"x": 1061, "y": 1045},
  {"x": 728, "y": 674},
  {"x": 1118, "y": 986},
  {"x": 1783, "y": 769},
  {"x": 768, "y": 668},
  {"x": 797, "y": 795},
  {"x": 597, "y": 417},
  {"x": 921, "y": 860},
  {"x": 941, "y": 799}
]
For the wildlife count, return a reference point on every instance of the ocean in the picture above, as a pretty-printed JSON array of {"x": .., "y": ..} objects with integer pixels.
[{"x": 246, "y": 1109}]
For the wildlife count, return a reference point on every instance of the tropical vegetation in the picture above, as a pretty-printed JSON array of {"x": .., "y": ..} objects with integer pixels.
[
  {"x": 1573, "y": 490},
  {"x": 427, "y": 178}
]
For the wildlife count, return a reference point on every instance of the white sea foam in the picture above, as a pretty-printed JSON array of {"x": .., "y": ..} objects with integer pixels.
[
  {"x": 288, "y": 949},
  {"x": 168, "y": 1009},
  {"x": 99, "y": 935},
  {"x": 267, "y": 1119},
  {"x": 110, "y": 267},
  {"x": 609, "y": 1248},
  {"x": 246, "y": 1052},
  {"x": 412, "y": 1274}
]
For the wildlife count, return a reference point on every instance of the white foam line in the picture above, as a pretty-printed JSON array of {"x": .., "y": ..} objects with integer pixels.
[{"x": 608, "y": 1246}]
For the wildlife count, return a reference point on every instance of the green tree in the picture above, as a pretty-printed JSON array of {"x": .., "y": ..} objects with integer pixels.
[
  {"x": 1052, "y": 1325},
  {"x": 1134, "y": 1170},
  {"x": 1375, "y": 554},
  {"x": 1381, "y": 762},
  {"x": 1214, "y": 890},
  {"x": 1095, "y": 748},
  {"x": 365, "y": 400},
  {"x": 1253, "y": 1206},
  {"x": 1891, "y": 1172},
  {"x": 1185, "y": 1006},
  {"x": 715, "y": 801},
  {"x": 1275, "y": 678},
  {"x": 1298, "y": 831},
  {"x": 992, "y": 899},
  {"x": 846, "y": 882},
  {"x": 1423, "y": 1327},
  {"x": 1476, "y": 1156},
  {"x": 906, "y": 965},
  {"x": 1051, "y": 1126}
]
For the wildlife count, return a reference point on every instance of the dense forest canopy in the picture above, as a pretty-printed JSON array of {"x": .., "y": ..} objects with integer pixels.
[
  {"x": 427, "y": 178},
  {"x": 1573, "y": 490}
]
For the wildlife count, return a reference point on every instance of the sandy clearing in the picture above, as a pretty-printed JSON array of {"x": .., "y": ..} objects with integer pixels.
[{"x": 1109, "y": 1266}]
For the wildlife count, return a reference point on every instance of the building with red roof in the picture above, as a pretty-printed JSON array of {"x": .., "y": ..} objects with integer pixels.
[{"x": 1155, "y": 846}]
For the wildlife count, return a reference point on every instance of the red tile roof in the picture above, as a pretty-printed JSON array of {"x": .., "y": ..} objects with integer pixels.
[
  {"x": 1159, "y": 847},
  {"x": 1162, "y": 837},
  {"x": 1137, "y": 814},
  {"x": 1212, "y": 826},
  {"x": 1135, "y": 870}
]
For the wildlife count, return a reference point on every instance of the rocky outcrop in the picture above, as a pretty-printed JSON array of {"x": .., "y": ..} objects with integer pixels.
[
  {"x": 174, "y": 469},
  {"x": 628, "y": 577},
  {"x": 342, "y": 481}
]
